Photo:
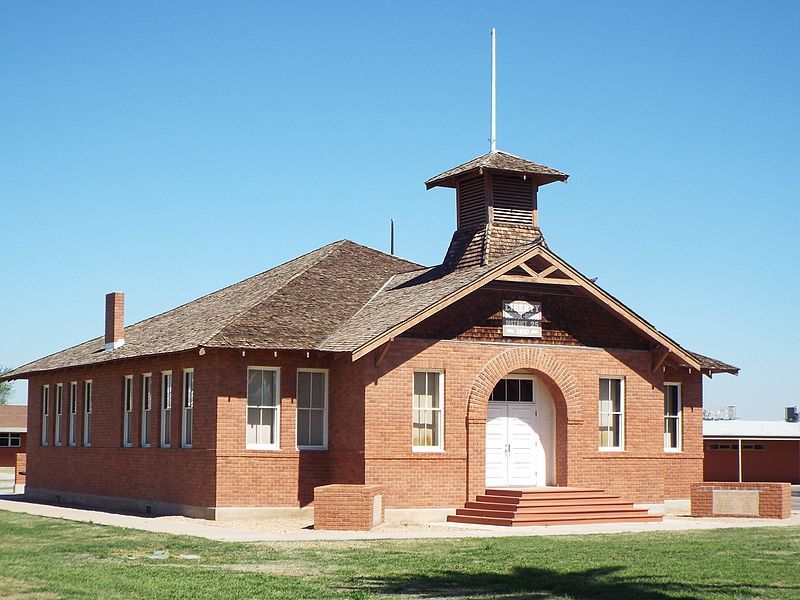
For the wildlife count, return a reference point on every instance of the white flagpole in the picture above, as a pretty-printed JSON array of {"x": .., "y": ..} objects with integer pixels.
[{"x": 493, "y": 138}]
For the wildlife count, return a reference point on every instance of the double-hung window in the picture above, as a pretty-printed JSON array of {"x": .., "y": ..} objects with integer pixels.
[
  {"x": 612, "y": 413},
  {"x": 73, "y": 413},
  {"x": 59, "y": 411},
  {"x": 672, "y": 417},
  {"x": 427, "y": 428},
  {"x": 87, "y": 413},
  {"x": 263, "y": 408},
  {"x": 45, "y": 413},
  {"x": 166, "y": 408},
  {"x": 188, "y": 408},
  {"x": 147, "y": 402},
  {"x": 127, "y": 411},
  {"x": 10, "y": 440},
  {"x": 312, "y": 408}
]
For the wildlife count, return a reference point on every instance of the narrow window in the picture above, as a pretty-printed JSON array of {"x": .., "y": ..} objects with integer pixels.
[
  {"x": 127, "y": 411},
  {"x": 312, "y": 409},
  {"x": 672, "y": 416},
  {"x": 263, "y": 408},
  {"x": 166, "y": 408},
  {"x": 612, "y": 414},
  {"x": 147, "y": 401},
  {"x": 428, "y": 407},
  {"x": 59, "y": 410},
  {"x": 73, "y": 413},
  {"x": 188, "y": 407},
  {"x": 87, "y": 413},
  {"x": 45, "y": 413}
]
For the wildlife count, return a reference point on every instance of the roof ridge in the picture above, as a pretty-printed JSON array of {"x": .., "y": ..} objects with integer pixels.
[
  {"x": 323, "y": 255},
  {"x": 378, "y": 291}
]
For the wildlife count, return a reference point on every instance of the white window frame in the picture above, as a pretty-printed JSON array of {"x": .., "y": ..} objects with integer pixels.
[
  {"x": 276, "y": 408},
  {"x": 441, "y": 429},
  {"x": 73, "y": 413},
  {"x": 127, "y": 411},
  {"x": 147, "y": 405},
  {"x": 187, "y": 408},
  {"x": 677, "y": 418},
  {"x": 45, "y": 441},
  {"x": 59, "y": 411},
  {"x": 87, "y": 413},
  {"x": 621, "y": 447},
  {"x": 165, "y": 427},
  {"x": 11, "y": 437},
  {"x": 324, "y": 409}
]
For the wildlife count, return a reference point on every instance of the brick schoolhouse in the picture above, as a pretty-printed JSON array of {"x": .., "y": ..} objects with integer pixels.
[{"x": 502, "y": 367}]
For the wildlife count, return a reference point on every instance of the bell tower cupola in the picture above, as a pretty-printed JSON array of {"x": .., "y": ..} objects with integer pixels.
[{"x": 496, "y": 206}]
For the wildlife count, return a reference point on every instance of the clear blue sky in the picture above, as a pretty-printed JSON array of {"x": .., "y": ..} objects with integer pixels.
[{"x": 170, "y": 149}]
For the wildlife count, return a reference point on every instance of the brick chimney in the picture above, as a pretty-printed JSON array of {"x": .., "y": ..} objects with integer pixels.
[{"x": 115, "y": 320}]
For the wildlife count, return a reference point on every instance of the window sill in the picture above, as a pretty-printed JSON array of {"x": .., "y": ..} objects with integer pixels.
[
  {"x": 673, "y": 450},
  {"x": 426, "y": 449},
  {"x": 312, "y": 448},
  {"x": 261, "y": 447},
  {"x": 601, "y": 449}
]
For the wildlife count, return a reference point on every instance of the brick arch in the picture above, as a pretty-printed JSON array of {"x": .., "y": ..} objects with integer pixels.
[{"x": 533, "y": 358}]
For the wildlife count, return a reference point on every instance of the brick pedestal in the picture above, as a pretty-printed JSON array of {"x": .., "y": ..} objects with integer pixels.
[
  {"x": 348, "y": 507},
  {"x": 746, "y": 499}
]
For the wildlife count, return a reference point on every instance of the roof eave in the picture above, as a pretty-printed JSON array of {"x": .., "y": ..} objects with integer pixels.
[{"x": 451, "y": 181}]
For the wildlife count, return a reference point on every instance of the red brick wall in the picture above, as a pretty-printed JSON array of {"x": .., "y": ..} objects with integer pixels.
[
  {"x": 642, "y": 472},
  {"x": 779, "y": 461},
  {"x": 774, "y": 500},
  {"x": 8, "y": 456},
  {"x": 286, "y": 476},
  {"x": 178, "y": 475},
  {"x": 369, "y": 427},
  {"x": 346, "y": 507},
  {"x": 19, "y": 477}
]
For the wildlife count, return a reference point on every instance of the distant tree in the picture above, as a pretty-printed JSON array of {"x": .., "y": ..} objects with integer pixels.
[{"x": 5, "y": 387}]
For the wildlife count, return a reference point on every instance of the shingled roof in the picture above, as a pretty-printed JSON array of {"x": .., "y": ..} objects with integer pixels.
[
  {"x": 343, "y": 297},
  {"x": 296, "y": 305},
  {"x": 13, "y": 418},
  {"x": 497, "y": 161}
]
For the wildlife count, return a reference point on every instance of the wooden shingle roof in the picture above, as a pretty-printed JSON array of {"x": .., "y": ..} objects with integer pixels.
[
  {"x": 497, "y": 161},
  {"x": 296, "y": 305},
  {"x": 343, "y": 297}
]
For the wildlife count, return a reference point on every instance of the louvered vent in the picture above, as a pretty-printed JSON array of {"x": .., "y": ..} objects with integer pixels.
[
  {"x": 471, "y": 206},
  {"x": 513, "y": 200}
]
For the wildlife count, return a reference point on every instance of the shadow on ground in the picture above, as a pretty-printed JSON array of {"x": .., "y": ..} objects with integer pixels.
[{"x": 526, "y": 582}]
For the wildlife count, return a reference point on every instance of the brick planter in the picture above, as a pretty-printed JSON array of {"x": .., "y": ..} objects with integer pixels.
[
  {"x": 348, "y": 507},
  {"x": 746, "y": 499}
]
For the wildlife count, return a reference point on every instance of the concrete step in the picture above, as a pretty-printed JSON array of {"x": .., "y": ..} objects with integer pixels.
[
  {"x": 549, "y": 506},
  {"x": 605, "y": 501},
  {"x": 530, "y": 499},
  {"x": 558, "y": 510},
  {"x": 539, "y": 491},
  {"x": 549, "y": 520}
]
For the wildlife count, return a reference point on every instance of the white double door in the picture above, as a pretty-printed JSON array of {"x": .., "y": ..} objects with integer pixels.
[{"x": 514, "y": 454}]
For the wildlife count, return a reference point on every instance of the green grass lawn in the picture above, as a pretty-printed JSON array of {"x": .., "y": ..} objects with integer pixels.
[{"x": 50, "y": 558}]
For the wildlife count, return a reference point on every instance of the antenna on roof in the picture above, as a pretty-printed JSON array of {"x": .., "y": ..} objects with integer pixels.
[
  {"x": 493, "y": 135},
  {"x": 391, "y": 237}
]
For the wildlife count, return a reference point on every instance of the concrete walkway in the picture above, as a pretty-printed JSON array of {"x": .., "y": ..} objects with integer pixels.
[{"x": 239, "y": 533}]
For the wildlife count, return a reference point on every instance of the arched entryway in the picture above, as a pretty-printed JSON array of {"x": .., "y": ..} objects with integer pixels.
[
  {"x": 563, "y": 395},
  {"x": 520, "y": 433}
]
